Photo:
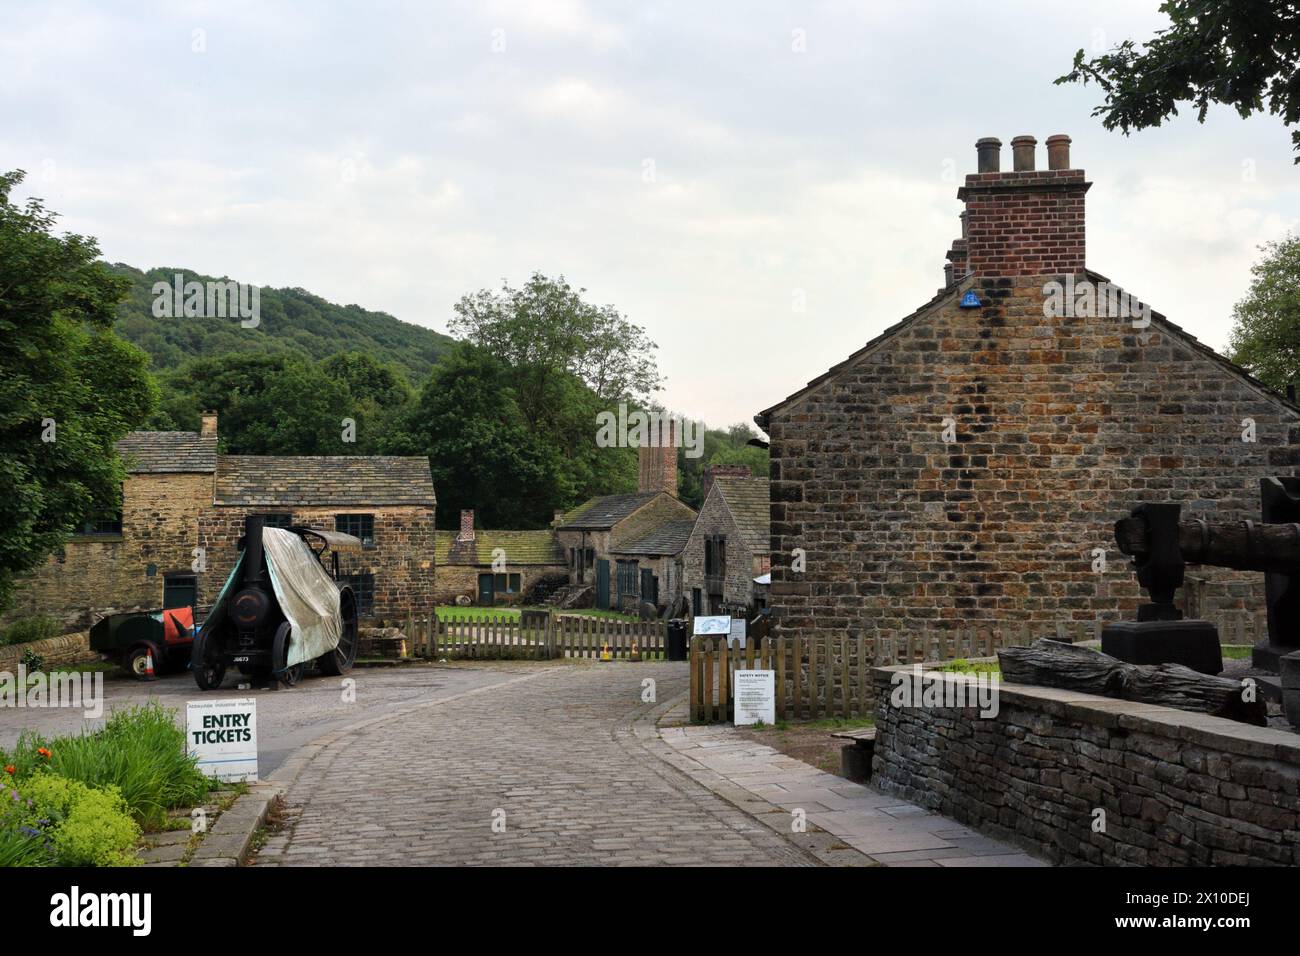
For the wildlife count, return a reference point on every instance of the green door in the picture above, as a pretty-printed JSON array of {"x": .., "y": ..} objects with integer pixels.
[
  {"x": 602, "y": 584},
  {"x": 486, "y": 596}
]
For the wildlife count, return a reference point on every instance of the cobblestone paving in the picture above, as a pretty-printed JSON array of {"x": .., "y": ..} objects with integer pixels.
[{"x": 552, "y": 756}]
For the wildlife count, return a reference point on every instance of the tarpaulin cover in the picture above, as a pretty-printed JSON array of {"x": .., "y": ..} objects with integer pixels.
[{"x": 307, "y": 594}]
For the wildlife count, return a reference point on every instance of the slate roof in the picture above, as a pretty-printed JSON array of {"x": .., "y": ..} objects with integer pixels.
[
  {"x": 161, "y": 452},
  {"x": 668, "y": 538},
  {"x": 320, "y": 480},
  {"x": 748, "y": 501},
  {"x": 521, "y": 547},
  {"x": 601, "y": 514}
]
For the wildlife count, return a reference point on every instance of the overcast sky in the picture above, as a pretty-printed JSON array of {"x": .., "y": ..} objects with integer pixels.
[{"x": 702, "y": 167}]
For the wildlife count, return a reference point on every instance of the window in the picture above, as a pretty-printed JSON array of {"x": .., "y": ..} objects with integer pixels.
[
  {"x": 505, "y": 583},
  {"x": 109, "y": 525},
  {"x": 627, "y": 578},
  {"x": 278, "y": 520},
  {"x": 697, "y": 602},
  {"x": 359, "y": 526},
  {"x": 363, "y": 586},
  {"x": 715, "y": 563}
]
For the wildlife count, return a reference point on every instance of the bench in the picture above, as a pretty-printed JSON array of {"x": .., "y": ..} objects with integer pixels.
[{"x": 855, "y": 756}]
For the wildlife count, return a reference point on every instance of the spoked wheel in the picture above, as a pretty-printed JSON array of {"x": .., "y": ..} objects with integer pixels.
[
  {"x": 206, "y": 662},
  {"x": 340, "y": 660},
  {"x": 286, "y": 675}
]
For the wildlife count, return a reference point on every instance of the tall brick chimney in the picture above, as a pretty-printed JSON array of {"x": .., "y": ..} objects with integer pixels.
[
  {"x": 466, "y": 525},
  {"x": 208, "y": 429},
  {"x": 1023, "y": 222},
  {"x": 657, "y": 461}
]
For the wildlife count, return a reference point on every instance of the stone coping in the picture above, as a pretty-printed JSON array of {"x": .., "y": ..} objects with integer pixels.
[{"x": 1204, "y": 730}]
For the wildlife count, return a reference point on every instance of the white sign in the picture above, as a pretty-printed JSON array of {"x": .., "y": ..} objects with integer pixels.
[
  {"x": 737, "y": 632},
  {"x": 222, "y": 733},
  {"x": 755, "y": 697},
  {"x": 713, "y": 625}
]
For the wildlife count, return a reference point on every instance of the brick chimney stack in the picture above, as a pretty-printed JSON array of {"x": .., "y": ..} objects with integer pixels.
[
  {"x": 466, "y": 525},
  {"x": 1024, "y": 222},
  {"x": 720, "y": 471},
  {"x": 657, "y": 460},
  {"x": 209, "y": 427}
]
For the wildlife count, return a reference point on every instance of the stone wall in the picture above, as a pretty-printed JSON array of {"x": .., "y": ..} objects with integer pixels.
[
  {"x": 402, "y": 559},
  {"x": 453, "y": 580},
  {"x": 1176, "y": 788},
  {"x": 60, "y": 651},
  {"x": 1061, "y": 426},
  {"x": 105, "y": 574},
  {"x": 738, "y": 583}
]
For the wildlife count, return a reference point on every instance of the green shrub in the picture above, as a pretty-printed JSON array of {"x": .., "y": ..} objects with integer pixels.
[
  {"x": 79, "y": 825},
  {"x": 29, "y": 629},
  {"x": 19, "y": 848},
  {"x": 139, "y": 751}
]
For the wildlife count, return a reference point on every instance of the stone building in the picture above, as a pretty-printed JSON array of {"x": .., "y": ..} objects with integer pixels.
[
  {"x": 183, "y": 508},
  {"x": 728, "y": 546},
  {"x": 967, "y": 465},
  {"x": 496, "y": 567},
  {"x": 622, "y": 545}
]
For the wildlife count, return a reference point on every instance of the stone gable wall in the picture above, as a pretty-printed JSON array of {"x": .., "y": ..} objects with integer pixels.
[
  {"x": 1062, "y": 425},
  {"x": 716, "y": 518}
]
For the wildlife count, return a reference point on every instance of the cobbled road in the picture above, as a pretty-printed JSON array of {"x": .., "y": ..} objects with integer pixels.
[{"x": 541, "y": 769}]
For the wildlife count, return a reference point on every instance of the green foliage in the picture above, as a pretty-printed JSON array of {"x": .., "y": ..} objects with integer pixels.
[
  {"x": 481, "y": 452},
  {"x": 26, "y": 846},
  {"x": 1236, "y": 54},
  {"x": 1265, "y": 337},
  {"x": 283, "y": 404},
  {"x": 545, "y": 330},
  {"x": 292, "y": 321},
  {"x": 27, "y": 629},
  {"x": 61, "y": 364},
  {"x": 140, "y": 751},
  {"x": 84, "y": 826}
]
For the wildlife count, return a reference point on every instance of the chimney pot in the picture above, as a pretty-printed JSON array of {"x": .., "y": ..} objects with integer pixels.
[
  {"x": 989, "y": 153},
  {"x": 1022, "y": 153},
  {"x": 466, "y": 525},
  {"x": 1058, "y": 151}
]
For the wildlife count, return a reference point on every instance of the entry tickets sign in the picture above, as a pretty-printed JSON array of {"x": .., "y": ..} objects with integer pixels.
[
  {"x": 755, "y": 697},
  {"x": 222, "y": 734}
]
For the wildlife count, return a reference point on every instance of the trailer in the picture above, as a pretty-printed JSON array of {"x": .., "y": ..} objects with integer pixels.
[
  {"x": 146, "y": 643},
  {"x": 282, "y": 611}
]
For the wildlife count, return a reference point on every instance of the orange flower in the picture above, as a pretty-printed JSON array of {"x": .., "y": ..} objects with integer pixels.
[
  {"x": 44, "y": 753},
  {"x": 11, "y": 769}
]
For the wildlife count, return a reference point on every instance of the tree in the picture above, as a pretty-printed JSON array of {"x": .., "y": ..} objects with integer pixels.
[
  {"x": 267, "y": 404},
  {"x": 547, "y": 332},
  {"x": 482, "y": 454},
  {"x": 1239, "y": 54},
  {"x": 69, "y": 388},
  {"x": 1265, "y": 337}
]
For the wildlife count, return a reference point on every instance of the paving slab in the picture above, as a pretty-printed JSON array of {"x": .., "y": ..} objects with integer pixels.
[{"x": 889, "y": 831}]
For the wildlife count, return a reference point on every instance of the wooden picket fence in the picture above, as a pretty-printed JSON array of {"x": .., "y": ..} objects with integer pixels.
[
  {"x": 830, "y": 676},
  {"x": 556, "y": 635}
]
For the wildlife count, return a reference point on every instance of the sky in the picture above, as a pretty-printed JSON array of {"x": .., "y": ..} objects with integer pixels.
[{"x": 763, "y": 186}]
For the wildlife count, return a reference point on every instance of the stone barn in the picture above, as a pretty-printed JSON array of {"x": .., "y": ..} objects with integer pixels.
[
  {"x": 173, "y": 543},
  {"x": 965, "y": 467}
]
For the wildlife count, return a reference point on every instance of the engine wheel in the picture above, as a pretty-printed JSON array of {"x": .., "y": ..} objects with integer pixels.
[
  {"x": 340, "y": 660},
  {"x": 206, "y": 663},
  {"x": 286, "y": 675}
]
